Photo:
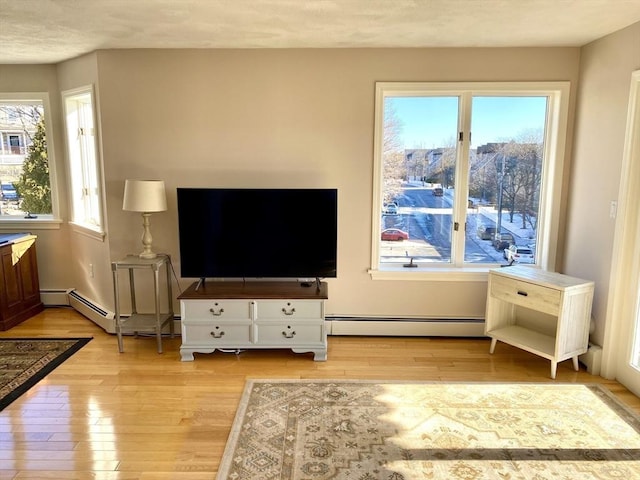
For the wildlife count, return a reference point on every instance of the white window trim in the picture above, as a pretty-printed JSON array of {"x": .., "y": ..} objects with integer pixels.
[
  {"x": 550, "y": 192},
  {"x": 42, "y": 222},
  {"x": 96, "y": 232}
]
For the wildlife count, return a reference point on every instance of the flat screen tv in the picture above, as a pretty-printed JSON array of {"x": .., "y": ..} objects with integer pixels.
[{"x": 257, "y": 233}]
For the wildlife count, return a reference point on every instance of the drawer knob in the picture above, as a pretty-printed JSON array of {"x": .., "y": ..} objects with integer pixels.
[
  {"x": 216, "y": 313},
  {"x": 524, "y": 294},
  {"x": 288, "y": 312},
  {"x": 217, "y": 334},
  {"x": 289, "y": 334}
]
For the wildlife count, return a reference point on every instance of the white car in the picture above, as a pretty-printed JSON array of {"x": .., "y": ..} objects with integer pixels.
[
  {"x": 519, "y": 254},
  {"x": 391, "y": 209}
]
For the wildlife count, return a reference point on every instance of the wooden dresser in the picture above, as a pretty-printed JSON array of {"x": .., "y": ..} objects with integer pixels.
[{"x": 19, "y": 285}]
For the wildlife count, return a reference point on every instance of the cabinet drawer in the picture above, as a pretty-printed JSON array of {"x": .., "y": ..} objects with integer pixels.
[
  {"x": 216, "y": 309},
  {"x": 290, "y": 334},
  {"x": 288, "y": 309},
  {"x": 537, "y": 297},
  {"x": 216, "y": 334}
]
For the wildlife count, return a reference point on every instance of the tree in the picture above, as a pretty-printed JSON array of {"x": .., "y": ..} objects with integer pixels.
[
  {"x": 34, "y": 187},
  {"x": 393, "y": 161}
]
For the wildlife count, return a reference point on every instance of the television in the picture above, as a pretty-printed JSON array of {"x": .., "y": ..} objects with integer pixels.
[{"x": 266, "y": 233}]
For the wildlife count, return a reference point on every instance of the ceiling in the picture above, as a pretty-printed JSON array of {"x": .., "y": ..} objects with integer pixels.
[{"x": 50, "y": 31}]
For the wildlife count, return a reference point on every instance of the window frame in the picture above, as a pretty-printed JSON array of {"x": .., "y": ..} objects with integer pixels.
[
  {"x": 42, "y": 221},
  {"x": 94, "y": 229},
  {"x": 556, "y": 121}
]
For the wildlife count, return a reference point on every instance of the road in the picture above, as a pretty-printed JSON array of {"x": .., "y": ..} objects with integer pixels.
[{"x": 428, "y": 220}]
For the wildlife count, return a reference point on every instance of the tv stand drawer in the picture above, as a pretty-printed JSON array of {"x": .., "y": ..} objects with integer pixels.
[
  {"x": 288, "y": 309},
  {"x": 220, "y": 335},
  {"x": 290, "y": 335},
  {"x": 216, "y": 310}
]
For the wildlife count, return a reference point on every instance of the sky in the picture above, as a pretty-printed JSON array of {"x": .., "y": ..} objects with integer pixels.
[{"x": 431, "y": 122}]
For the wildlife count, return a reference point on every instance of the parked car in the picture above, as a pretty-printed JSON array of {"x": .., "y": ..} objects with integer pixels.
[
  {"x": 391, "y": 209},
  {"x": 486, "y": 233},
  {"x": 503, "y": 240},
  {"x": 438, "y": 192},
  {"x": 394, "y": 234},
  {"x": 519, "y": 254},
  {"x": 8, "y": 192}
]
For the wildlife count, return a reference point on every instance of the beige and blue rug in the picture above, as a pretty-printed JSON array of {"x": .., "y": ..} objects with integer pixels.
[
  {"x": 26, "y": 361},
  {"x": 361, "y": 430}
]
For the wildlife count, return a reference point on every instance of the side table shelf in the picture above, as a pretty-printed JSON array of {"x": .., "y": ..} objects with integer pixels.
[{"x": 143, "y": 322}]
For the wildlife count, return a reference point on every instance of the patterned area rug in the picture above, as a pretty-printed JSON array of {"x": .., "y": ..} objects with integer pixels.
[
  {"x": 364, "y": 430},
  {"x": 26, "y": 361}
]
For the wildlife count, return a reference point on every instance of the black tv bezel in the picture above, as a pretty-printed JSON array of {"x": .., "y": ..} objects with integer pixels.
[{"x": 211, "y": 267}]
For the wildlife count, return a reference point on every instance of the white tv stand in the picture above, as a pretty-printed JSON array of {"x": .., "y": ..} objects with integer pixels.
[{"x": 236, "y": 315}]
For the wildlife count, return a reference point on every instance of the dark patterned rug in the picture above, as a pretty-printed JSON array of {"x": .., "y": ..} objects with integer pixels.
[
  {"x": 366, "y": 430},
  {"x": 26, "y": 361}
]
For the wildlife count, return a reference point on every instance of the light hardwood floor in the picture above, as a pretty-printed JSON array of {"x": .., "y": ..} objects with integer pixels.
[{"x": 149, "y": 416}]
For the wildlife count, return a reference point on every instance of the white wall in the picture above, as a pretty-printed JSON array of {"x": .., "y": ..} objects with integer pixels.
[{"x": 603, "y": 96}]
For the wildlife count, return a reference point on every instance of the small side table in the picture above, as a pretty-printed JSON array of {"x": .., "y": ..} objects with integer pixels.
[{"x": 143, "y": 322}]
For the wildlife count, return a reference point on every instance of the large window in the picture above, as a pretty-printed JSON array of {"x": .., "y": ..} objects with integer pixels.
[
  {"x": 85, "y": 192},
  {"x": 25, "y": 158},
  {"x": 467, "y": 176}
]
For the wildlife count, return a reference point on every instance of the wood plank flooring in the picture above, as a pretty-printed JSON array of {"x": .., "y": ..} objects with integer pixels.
[{"x": 141, "y": 415}]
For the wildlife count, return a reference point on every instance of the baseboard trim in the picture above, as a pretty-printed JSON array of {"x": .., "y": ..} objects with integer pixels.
[
  {"x": 335, "y": 325},
  {"x": 405, "y": 327}
]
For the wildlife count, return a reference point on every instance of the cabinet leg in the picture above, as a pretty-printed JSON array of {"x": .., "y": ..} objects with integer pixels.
[
  {"x": 319, "y": 355},
  {"x": 554, "y": 368},
  {"x": 493, "y": 345},
  {"x": 576, "y": 367},
  {"x": 186, "y": 356}
]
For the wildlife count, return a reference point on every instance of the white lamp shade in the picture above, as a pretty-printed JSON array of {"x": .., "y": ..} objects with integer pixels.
[{"x": 144, "y": 196}]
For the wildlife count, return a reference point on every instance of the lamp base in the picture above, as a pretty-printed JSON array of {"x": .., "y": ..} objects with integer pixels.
[{"x": 146, "y": 238}]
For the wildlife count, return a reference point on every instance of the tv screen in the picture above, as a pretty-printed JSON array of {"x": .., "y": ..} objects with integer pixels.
[{"x": 257, "y": 233}]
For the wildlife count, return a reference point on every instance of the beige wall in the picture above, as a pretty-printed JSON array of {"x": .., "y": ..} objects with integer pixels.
[
  {"x": 87, "y": 251},
  {"x": 53, "y": 243},
  {"x": 603, "y": 96},
  {"x": 255, "y": 118}
]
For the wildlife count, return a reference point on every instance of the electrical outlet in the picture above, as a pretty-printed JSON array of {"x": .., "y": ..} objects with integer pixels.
[
  {"x": 91, "y": 270},
  {"x": 613, "y": 209}
]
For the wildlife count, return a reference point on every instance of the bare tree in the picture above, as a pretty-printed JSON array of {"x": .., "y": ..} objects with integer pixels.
[{"x": 393, "y": 160}]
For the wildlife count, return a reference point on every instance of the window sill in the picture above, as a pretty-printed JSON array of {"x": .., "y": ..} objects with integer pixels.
[
  {"x": 88, "y": 232},
  {"x": 32, "y": 223},
  {"x": 444, "y": 274}
]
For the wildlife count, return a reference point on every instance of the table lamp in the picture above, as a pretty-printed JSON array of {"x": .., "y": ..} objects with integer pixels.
[{"x": 146, "y": 196}]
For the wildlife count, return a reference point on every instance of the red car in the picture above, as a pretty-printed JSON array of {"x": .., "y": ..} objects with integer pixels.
[{"x": 394, "y": 234}]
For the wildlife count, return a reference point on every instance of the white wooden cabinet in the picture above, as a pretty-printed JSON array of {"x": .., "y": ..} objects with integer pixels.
[
  {"x": 246, "y": 315},
  {"x": 542, "y": 312}
]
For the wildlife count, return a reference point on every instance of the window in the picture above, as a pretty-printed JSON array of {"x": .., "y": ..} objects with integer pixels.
[
  {"x": 470, "y": 169},
  {"x": 26, "y": 159},
  {"x": 85, "y": 192}
]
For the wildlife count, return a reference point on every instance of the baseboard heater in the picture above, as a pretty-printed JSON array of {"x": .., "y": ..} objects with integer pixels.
[
  {"x": 98, "y": 315},
  {"x": 55, "y": 297},
  {"x": 404, "y": 327}
]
